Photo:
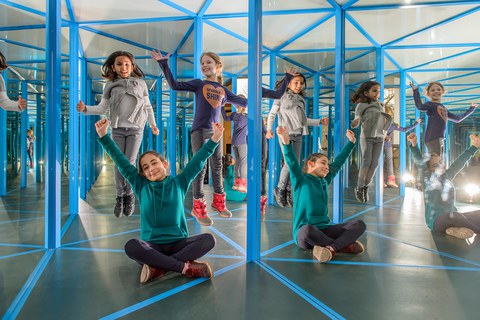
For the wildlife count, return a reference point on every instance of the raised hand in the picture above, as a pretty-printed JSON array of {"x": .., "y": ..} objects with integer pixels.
[
  {"x": 474, "y": 105},
  {"x": 291, "y": 70},
  {"x": 157, "y": 55},
  {"x": 351, "y": 136},
  {"x": 217, "y": 131},
  {"x": 22, "y": 104},
  {"x": 419, "y": 120},
  {"x": 413, "y": 86},
  {"x": 475, "y": 139},
  {"x": 412, "y": 137},
  {"x": 102, "y": 127},
  {"x": 80, "y": 106},
  {"x": 324, "y": 121},
  {"x": 155, "y": 130},
  {"x": 282, "y": 133}
]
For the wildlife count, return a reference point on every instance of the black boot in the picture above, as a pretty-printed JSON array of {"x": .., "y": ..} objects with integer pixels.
[
  {"x": 289, "y": 198},
  {"x": 359, "y": 194},
  {"x": 280, "y": 196},
  {"x": 366, "y": 197},
  {"x": 119, "y": 205},
  {"x": 129, "y": 204}
]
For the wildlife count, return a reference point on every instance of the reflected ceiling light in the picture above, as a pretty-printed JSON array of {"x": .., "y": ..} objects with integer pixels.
[{"x": 472, "y": 189}]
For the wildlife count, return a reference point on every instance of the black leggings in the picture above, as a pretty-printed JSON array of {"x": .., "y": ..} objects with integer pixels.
[
  {"x": 170, "y": 256},
  {"x": 469, "y": 220},
  {"x": 338, "y": 236}
]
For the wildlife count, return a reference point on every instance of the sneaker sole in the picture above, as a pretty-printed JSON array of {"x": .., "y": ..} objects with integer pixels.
[
  {"x": 322, "y": 254},
  {"x": 144, "y": 274},
  {"x": 221, "y": 213},
  {"x": 460, "y": 233},
  {"x": 203, "y": 223}
]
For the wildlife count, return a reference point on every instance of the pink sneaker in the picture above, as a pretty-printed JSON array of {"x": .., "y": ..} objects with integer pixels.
[
  {"x": 199, "y": 212},
  {"x": 354, "y": 248}
]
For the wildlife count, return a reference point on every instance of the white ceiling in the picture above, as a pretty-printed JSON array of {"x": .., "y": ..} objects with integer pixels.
[{"x": 430, "y": 39}]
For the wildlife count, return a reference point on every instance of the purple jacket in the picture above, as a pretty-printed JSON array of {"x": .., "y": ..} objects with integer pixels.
[{"x": 240, "y": 126}]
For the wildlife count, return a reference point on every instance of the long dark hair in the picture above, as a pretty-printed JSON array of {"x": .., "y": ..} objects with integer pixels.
[
  {"x": 153, "y": 153},
  {"x": 302, "y": 93},
  {"x": 360, "y": 96},
  {"x": 3, "y": 62},
  {"x": 107, "y": 71},
  {"x": 227, "y": 161}
]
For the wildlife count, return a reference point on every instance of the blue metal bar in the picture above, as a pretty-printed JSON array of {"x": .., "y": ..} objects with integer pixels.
[
  {"x": 204, "y": 8},
  {"x": 133, "y": 21},
  {"x": 434, "y": 46},
  {"x": 274, "y": 153},
  {"x": 39, "y": 141},
  {"x": 362, "y": 30},
  {"x": 23, "y": 140},
  {"x": 83, "y": 131},
  {"x": 413, "y": 5},
  {"x": 21, "y": 7},
  {"x": 53, "y": 95},
  {"x": 159, "y": 117},
  {"x": 225, "y": 30},
  {"x": 349, "y": 4},
  {"x": 444, "y": 58},
  {"x": 23, "y": 27},
  {"x": 3, "y": 146},
  {"x": 267, "y": 13},
  {"x": 73, "y": 149},
  {"x": 435, "y": 25},
  {"x": 403, "y": 140},
  {"x": 380, "y": 74},
  {"x": 316, "y": 94},
  {"x": 185, "y": 37},
  {"x": 341, "y": 111},
  {"x": 178, "y": 7},
  {"x": 172, "y": 122},
  {"x": 254, "y": 128}
]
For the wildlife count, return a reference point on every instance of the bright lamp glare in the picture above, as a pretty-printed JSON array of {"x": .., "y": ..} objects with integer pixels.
[
  {"x": 472, "y": 189},
  {"x": 407, "y": 177}
]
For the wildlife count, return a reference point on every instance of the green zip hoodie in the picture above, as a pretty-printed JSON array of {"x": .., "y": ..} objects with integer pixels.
[{"x": 162, "y": 213}]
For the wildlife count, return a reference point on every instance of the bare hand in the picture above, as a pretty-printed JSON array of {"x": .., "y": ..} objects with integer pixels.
[
  {"x": 269, "y": 134},
  {"x": 157, "y": 55},
  {"x": 474, "y": 105},
  {"x": 412, "y": 137},
  {"x": 351, "y": 136},
  {"x": 413, "y": 86},
  {"x": 102, "y": 127},
  {"x": 475, "y": 139},
  {"x": 282, "y": 133},
  {"x": 155, "y": 130},
  {"x": 324, "y": 121},
  {"x": 80, "y": 106},
  {"x": 419, "y": 120},
  {"x": 355, "y": 123},
  {"x": 22, "y": 104},
  {"x": 291, "y": 70},
  {"x": 217, "y": 131}
]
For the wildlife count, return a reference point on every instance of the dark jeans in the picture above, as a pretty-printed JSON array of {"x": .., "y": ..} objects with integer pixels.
[
  {"x": 338, "y": 236},
  {"x": 284, "y": 180},
  {"x": 170, "y": 256},
  {"x": 436, "y": 146},
  {"x": 469, "y": 220}
]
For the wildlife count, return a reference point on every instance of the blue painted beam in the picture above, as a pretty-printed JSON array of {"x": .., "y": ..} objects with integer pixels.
[
  {"x": 23, "y": 140},
  {"x": 316, "y": 130},
  {"x": 52, "y": 134},
  {"x": 274, "y": 153},
  {"x": 133, "y": 21},
  {"x": 403, "y": 122},
  {"x": 380, "y": 75},
  {"x": 3, "y": 146},
  {"x": 73, "y": 150},
  {"x": 39, "y": 141},
  {"x": 23, "y": 27},
  {"x": 172, "y": 122},
  {"x": 159, "y": 117},
  {"x": 412, "y": 5},
  {"x": 254, "y": 128},
  {"x": 178, "y": 7}
]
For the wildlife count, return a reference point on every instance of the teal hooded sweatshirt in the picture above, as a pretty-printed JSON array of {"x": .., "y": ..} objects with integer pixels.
[{"x": 162, "y": 213}]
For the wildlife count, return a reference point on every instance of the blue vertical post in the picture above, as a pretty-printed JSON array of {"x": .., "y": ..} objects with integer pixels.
[
  {"x": 184, "y": 138},
  {"x": 403, "y": 140},
  {"x": 3, "y": 148},
  {"x": 346, "y": 167},
  {"x": 83, "y": 132},
  {"x": 73, "y": 147},
  {"x": 341, "y": 108},
  {"x": 14, "y": 144},
  {"x": 23, "y": 140},
  {"x": 254, "y": 127},
  {"x": 172, "y": 120},
  {"x": 379, "y": 174},
  {"x": 159, "y": 117},
  {"x": 446, "y": 143},
  {"x": 274, "y": 154},
  {"x": 39, "y": 141},
  {"x": 52, "y": 154},
  {"x": 90, "y": 165},
  {"x": 316, "y": 94}
]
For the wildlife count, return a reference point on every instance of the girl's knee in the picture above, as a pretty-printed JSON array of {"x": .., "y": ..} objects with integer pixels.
[
  {"x": 360, "y": 225},
  {"x": 209, "y": 240},
  {"x": 131, "y": 246}
]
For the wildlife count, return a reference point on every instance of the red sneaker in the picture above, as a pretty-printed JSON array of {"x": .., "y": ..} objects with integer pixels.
[
  {"x": 199, "y": 212},
  {"x": 219, "y": 205},
  {"x": 197, "y": 269},
  {"x": 150, "y": 273},
  {"x": 354, "y": 248},
  {"x": 263, "y": 205}
]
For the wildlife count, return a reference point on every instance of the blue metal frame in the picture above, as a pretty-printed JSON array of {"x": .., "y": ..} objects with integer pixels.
[
  {"x": 172, "y": 122},
  {"x": 52, "y": 154},
  {"x": 3, "y": 146},
  {"x": 73, "y": 150},
  {"x": 380, "y": 75},
  {"x": 403, "y": 140},
  {"x": 23, "y": 139}
]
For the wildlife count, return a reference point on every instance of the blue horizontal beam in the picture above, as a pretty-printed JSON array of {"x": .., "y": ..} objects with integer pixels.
[
  {"x": 178, "y": 7},
  {"x": 413, "y": 5},
  {"x": 23, "y": 27},
  {"x": 134, "y": 21},
  {"x": 268, "y": 13},
  {"x": 442, "y": 59}
]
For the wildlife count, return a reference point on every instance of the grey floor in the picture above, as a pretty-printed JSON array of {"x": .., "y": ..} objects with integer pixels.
[{"x": 406, "y": 273}]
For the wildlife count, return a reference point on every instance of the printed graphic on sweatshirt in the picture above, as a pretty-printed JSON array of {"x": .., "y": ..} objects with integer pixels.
[
  {"x": 213, "y": 95},
  {"x": 442, "y": 112}
]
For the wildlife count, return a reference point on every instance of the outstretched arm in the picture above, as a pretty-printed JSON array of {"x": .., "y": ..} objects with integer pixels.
[
  {"x": 462, "y": 160},
  {"x": 342, "y": 157},
  {"x": 277, "y": 94},
  {"x": 6, "y": 103},
  {"x": 290, "y": 157},
  {"x": 174, "y": 84},
  {"x": 271, "y": 119},
  {"x": 460, "y": 117},
  {"x": 416, "y": 97},
  {"x": 416, "y": 154},
  {"x": 409, "y": 128}
]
